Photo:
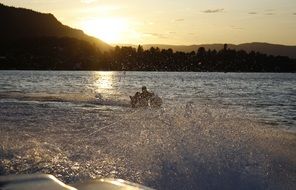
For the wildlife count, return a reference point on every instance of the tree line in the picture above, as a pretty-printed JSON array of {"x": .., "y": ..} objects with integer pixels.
[{"x": 52, "y": 53}]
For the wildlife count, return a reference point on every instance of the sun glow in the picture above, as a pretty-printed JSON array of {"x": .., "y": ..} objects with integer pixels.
[
  {"x": 103, "y": 80},
  {"x": 110, "y": 30}
]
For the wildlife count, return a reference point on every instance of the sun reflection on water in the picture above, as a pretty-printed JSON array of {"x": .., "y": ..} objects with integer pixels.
[{"x": 103, "y": 80}]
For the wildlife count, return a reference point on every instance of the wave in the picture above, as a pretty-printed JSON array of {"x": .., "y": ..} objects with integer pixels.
[{"x": 76, "y": 98}]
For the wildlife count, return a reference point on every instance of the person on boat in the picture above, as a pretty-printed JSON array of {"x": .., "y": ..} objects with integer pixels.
[
  {"x": 145, "y": 99},
  {"x": 145, "y": 96}
]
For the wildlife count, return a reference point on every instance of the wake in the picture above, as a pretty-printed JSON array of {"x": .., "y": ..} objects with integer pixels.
[
  {"x": 175, "y": 147},
  {"x": 74, "y": 98}
]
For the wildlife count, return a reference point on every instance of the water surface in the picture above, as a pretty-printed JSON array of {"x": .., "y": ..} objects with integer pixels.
[{"x": 214, "y": 130}]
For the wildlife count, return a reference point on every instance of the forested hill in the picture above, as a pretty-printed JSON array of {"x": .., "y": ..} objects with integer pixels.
[
  {"x": 20, "y": 23},
  {"x": 35, "y": 41},
  {"x": 269, "y": 49}
]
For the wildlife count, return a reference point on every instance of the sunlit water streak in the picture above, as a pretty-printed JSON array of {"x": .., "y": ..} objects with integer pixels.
[{"x": 213, "y": 131}]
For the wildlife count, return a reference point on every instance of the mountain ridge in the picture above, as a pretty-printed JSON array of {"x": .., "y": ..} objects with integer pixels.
[
  {"x": 263, "y": 47},
  {"x": 18, "y": 23}
]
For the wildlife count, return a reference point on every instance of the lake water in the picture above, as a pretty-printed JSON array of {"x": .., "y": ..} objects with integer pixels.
[
  {"x": 207, "y": 135},
  {"x": 268, "y": 97}
]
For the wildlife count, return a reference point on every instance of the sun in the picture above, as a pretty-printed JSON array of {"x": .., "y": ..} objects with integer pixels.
[{"x": 110, "y": 30}]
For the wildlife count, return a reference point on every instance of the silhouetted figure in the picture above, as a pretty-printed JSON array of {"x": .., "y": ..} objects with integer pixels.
[
  {"x": 145, "y": 99},
  {"x": 135, "y": 99}
]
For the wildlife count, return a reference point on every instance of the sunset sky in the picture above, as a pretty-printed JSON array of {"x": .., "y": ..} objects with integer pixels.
[{"x": 179, "y": 22}]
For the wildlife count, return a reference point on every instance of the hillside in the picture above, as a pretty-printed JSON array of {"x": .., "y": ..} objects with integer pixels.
[
  {"x": 19, "y": 23},
  {"x": 270, "y": 49},
  {"x": 36, "y": 41}
]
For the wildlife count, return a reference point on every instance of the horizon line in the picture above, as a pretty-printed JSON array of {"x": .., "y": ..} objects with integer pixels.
[{"x": 188, "y": 45}]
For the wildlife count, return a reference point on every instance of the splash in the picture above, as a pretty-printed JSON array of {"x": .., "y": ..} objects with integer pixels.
[
  {"x": 74, "y": 98},
  {"x": 176, "y": 147}
]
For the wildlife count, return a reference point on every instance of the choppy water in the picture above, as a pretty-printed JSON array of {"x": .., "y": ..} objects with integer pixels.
[
  {"x": 215, "y": 130},
  {"x": 269, "y": 97}
]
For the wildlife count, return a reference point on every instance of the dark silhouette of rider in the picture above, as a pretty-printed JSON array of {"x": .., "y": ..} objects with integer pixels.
[{"x": 145, "y": 96}]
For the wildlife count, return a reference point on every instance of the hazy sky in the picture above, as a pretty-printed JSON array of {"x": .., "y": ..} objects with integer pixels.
[{"x": 175, "y": 21}]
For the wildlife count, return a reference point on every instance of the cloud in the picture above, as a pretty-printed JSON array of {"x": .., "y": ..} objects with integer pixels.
[
  {"x": 236, "y": 28},
  {"x": 179, "y": 20},
  {"x": 158, "y": 35},
  {"x": 88, "y": 1},
  {"x": 252, "y": 13},
  {"x": 270, "y": 14},
  {"x": 213, "y": 11}
]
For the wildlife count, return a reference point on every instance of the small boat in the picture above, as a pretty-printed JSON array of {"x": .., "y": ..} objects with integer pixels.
[{"x": 49, "y": 182}]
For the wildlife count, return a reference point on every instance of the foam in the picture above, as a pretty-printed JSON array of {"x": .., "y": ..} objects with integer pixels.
[
  {"x": 169, "y": 148},
  {"x": 75, "y": 98}
]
